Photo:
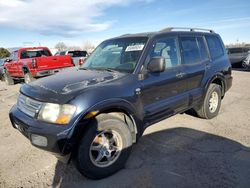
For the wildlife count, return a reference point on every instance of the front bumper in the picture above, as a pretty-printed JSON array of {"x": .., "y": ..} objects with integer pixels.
[{"x": 56, "y": 135}]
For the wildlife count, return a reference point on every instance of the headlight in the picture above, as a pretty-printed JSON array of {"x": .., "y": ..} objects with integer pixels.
[{"x": 55, "y": 113}]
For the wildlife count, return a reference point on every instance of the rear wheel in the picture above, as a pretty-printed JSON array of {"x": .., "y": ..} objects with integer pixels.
[
  {"x": 28, "y": 78},
  {"x": 211, "y": 104},
  {"x": 104, "y": 148}
]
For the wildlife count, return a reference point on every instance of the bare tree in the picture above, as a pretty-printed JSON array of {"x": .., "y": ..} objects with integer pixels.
[
  {"x": 74, "y": 48},
  {"x": 88, "y": 46},
  {"x": 60, "y": 46}
]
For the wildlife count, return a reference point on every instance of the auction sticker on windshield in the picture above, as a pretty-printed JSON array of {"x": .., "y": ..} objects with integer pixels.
[{"x": 137, "y": 47}]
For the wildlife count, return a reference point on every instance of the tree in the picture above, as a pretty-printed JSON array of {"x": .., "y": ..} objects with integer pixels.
[
  {"x": 60, "y": 46},
  {"x": 88, "y": 46},
  {"x": 4, "y": 53}
]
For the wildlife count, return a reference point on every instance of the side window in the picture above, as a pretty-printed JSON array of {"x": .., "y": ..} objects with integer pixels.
[
  {"x": 203, "y": 49},
  {"x": 215, "y": 47},
  {"x": 166, "y": 48},
  {"x": 190, "y": 50}
]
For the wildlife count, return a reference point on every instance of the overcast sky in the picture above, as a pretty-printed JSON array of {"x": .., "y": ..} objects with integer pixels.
[{"x": 46, "y": 22}]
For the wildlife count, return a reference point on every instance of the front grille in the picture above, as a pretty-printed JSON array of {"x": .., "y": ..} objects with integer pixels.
[{"x": 28, "y": 106}]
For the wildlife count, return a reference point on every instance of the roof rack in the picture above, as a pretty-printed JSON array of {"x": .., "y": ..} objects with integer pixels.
[{"x": 185, "y": 28}]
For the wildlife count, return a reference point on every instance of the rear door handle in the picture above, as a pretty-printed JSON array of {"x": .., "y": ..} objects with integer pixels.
[{"x": 180, "y": 75}]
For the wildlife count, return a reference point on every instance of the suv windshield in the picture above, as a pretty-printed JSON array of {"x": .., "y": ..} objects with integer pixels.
[{"x": 117, "y": 54}]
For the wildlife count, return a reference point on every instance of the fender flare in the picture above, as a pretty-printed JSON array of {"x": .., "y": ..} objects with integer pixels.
[
  {"x": 104, "y": 106},
  {"x": 220, "y": 77},
  {"x": 25, "y": 67}
]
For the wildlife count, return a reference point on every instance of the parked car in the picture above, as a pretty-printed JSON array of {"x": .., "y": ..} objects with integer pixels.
[
  {"x": 246, "y": 62},
  {"x": 127, "y": 84},
  {"x": 30, "y": 63},
  {"x": 2, "y": 61},
  {"x": 78, "y": 56},
  {"x": 237, "y": 55}
]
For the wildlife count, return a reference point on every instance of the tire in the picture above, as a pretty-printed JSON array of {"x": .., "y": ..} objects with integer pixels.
[
  {"x": 28, "y": 78},
  {"x": 91, "y": 159},
  {"x": 210, "y": 108},
  {"x": 8, "y": 79}
]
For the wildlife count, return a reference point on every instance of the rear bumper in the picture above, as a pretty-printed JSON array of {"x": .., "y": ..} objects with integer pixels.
[
  {"x": 48, "y": 72},
  {"x": 56, "y": 136}
]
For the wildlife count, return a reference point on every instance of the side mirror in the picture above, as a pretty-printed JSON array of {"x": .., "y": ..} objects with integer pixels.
[{"x": 156, "y": 65}]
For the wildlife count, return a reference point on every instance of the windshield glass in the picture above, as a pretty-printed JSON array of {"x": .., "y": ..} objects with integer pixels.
[{"x": 118, "y": 54}]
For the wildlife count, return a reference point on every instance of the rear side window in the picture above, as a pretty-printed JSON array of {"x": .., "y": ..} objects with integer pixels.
[
  {"x": 203, "y": 49},
  {"x": 190, "y": 50},
  {"x": 215, "y": 47}
]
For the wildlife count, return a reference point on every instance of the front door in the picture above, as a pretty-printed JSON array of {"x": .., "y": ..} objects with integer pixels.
[{"x": 163, "y": 94}]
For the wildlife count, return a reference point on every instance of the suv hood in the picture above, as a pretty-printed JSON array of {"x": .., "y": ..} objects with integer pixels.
[{"x": 63, "y": 86}]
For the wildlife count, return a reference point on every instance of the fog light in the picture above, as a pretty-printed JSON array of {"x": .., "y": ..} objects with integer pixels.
[{"x": 39, "y": 140}]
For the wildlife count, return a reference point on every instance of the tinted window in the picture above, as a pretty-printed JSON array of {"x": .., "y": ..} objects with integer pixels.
[
  {"x": 235, "y": 50},
  {"x": 203, "y": 49},
  {"x": 77, "y": 53},
  {"x": 245, "y": 50},
  {"x": 215, "y": 47},
  {"x": 166, "y": 48},
  {"x": 34, "y": 53},
  {"x": 190, "y": 50}
]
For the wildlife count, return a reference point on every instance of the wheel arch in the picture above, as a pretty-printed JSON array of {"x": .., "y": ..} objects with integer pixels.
[
  {"x": 25, "y": 70},
  {"x": 119, "y": 108},
  {"x": 219, "y": 80}
]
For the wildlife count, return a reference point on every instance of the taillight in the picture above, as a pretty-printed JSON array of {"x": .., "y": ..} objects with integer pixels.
[
  {"x": 34, "y": 63},
  {"x": 81, "y": 61}
]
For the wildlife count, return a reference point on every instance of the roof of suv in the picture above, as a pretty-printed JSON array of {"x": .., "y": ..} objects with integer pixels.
[{"x": 169, "y": 30}]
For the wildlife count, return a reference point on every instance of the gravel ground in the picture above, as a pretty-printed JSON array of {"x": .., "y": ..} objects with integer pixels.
[{"x": 182, "y": 151}]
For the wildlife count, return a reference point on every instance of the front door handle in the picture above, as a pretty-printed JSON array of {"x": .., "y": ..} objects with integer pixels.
[{"x": 180, "y": 74}]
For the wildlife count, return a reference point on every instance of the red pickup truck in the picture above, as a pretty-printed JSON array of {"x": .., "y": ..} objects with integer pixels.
[{"x": 30, "y": 63}]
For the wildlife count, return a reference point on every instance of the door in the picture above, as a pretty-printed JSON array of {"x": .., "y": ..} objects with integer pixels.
[
  {"x": 163, "y": 94},
  {"x": 196, "y": 62}
]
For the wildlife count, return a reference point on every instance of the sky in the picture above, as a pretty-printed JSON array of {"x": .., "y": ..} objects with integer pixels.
[{"x": 47, "y": 22}]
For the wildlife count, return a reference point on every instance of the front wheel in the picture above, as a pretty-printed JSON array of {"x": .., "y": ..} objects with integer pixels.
[
  {"x": 211, "y": 104},
  {"x": 104, "y": 147},
  {"x": 28, "y": 78}
]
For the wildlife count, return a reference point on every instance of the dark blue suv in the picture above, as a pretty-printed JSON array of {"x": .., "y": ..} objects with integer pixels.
[{"x": 93, "y": 114}]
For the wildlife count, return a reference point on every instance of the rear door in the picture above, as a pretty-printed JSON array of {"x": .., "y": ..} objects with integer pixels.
[
  {"x": 196, "y": 62},
  {"x": 163, "y": 94}
]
